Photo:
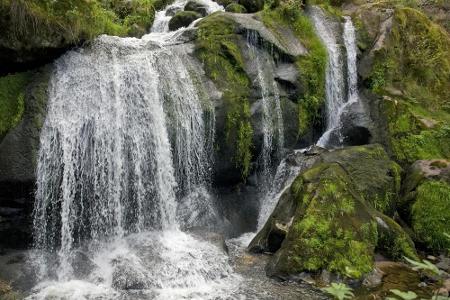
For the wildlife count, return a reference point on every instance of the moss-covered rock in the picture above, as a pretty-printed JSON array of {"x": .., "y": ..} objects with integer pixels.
[
  {"x": 12, "y": 93},
  {"x": 19, "y": 147},
  {"x": 311, "y": 66},
  {"x": 197, "y": 7},
  {"x": 217, "y": 48},
  {"x": 183, "y": 19},
  {"x": 408, "y": 67},
  {"x": 425, "y": 202},
  {"x": 332, "y": 228},
  {"x": 326, "y": 219},
  {"x": 235, "y": 8}
]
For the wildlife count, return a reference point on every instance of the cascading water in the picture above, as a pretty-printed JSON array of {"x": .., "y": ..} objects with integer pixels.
[
  {"x": 352, "y": 72},
  {"x": 335, "y": 81},
  {"x": 125, "y": 151},
  {"x": 338, "y": 98},
  {"x": 271, "y": 116}
]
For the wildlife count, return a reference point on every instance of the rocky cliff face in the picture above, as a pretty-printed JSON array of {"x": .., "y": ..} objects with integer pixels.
[{"x": 345, "y": 205}]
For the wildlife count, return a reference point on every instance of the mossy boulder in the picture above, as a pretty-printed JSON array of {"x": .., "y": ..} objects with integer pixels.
[
  {"x": 20, "y": 145},
  {"x": 326, "y": 220},
  {"x": 197, "y": 7},
  {"x": 252, "y": 5},
  {"x": 236, "y": 8},
  {"x": 408, "y": 71},
  {"x": 12, "y": 93},
  {"x": 183, "y": 19},
  {"x": 425, "y": 202}
]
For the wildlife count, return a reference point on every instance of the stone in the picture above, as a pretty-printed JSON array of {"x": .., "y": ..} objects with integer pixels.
[
  {"x": 328, "y": 210},
  {"x": 236, "y": 8},
  {"x": 252, "y": 5},
  {"x": 183, "y": 19},
  {"x": 196, "y": 7}
]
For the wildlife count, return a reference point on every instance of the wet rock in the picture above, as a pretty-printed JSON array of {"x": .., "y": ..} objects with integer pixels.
[
  {"x": 360, "y": 176},
  {"x": 196, "y": 7},
  {"x": 235, "y": 8},
  {"x": 183, "y": 19},
  {"x": 424, "y": 202}
]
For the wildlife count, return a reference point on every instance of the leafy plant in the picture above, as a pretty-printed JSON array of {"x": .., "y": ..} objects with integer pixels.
[
  {"x": 339, "y": 291},
  {"x": 403, "y": 295},
  {"x": 425, "y": 265}
]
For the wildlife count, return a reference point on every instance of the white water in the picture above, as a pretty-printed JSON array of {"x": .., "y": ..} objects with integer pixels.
[
  {"x": 271, "y": 117},
  {"x": 341, "y": 90},
  {"x": 124, "y": 163}
]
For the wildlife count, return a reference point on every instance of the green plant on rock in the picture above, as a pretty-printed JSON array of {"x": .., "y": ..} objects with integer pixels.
[
  {"x": 12, "y": 94},
  {"x": 218, "y": 50},
  {"x": 402, "y": 295},
  {"x": 339, "y": 291},
  {"x": 431, "y": 214},
  {"x": 311, "y": 66},
  {"x": 425, "y": 266}
]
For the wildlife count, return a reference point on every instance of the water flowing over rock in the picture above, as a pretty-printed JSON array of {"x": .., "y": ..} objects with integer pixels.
[{"x": 346, "y": 120}]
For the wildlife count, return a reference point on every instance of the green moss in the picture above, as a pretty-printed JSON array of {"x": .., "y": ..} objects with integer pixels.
[
  {"x": 334, "y": 232},
  {"x": 235, "y": 8},
  {"x": 311, "y": 66},
  {"x": 431, "y": 214},
  {"x": 218, "y": 50},
  {"x": 72, "y": 21},
  {"x": 415, "y": 62},
  {"x": 393, "y": 241},
  {"x": 12, "y": 93}
]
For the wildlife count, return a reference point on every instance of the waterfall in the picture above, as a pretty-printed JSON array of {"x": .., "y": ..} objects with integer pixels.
[
  {"x": 335, "y": 80},
  {"x": 124, "y": 166},
  {"x": 352, "y": 72},
  {"x": 271, "y": 117},
  {"x": 341, "y": 90}
]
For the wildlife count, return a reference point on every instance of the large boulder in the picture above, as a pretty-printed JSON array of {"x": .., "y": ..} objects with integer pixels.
[
  {"x": 235, "y": 8},
  {"x": 425, "y": 202},
  {"x": 326, "y": 220},
  {"x": 183, "y": 19},
  {"x": 196, "y": 7}
]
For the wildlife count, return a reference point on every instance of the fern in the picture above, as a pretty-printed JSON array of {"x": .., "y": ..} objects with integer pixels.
[
  {"x": 425, "y": 265},
  {"x": 339, "y": 291}
]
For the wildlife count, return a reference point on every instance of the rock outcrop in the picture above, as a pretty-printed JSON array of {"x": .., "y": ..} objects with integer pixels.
[{"x": 327, "y": 220}]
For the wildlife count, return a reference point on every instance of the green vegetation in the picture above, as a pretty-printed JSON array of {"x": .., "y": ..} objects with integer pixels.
[
  {"x": 311, "y": 66},
  {"x": 333, "y": 229},
  {"x": 71, "y": 21},
  {"x": 339, "y": 291},
  {"x": 431, "y": 214},
  {"x": 415, "y": 63},
  {"x": 12, "y": 94},
  {"x": 403, "y": 295},
  {"x": 217, "y": 48}
]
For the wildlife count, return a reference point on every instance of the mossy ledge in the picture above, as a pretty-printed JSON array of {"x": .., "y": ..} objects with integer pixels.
[
  {"x": 12, "y": 94},
  {"x": 217, "y": 48},
  {"x": 311, "y": 66}
]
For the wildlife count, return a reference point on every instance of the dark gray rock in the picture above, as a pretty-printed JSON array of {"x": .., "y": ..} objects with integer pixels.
[
  {"x": 183, "y": 19},
  {"x": 19, "y": 148},
  {"x": 252, "y": 5},
  {"x": 196, "y": 7},
  {"x": 236, "y": 8}
]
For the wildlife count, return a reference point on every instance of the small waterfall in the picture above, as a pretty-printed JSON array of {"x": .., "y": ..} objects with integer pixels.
[
  {"x": 282, "y": 180},
  {"x": 335, "y": 80},
  {"x": 341, "y": 91},
  {"x": 352, "y": 72},
  {"x": 271, "y": 118}
]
